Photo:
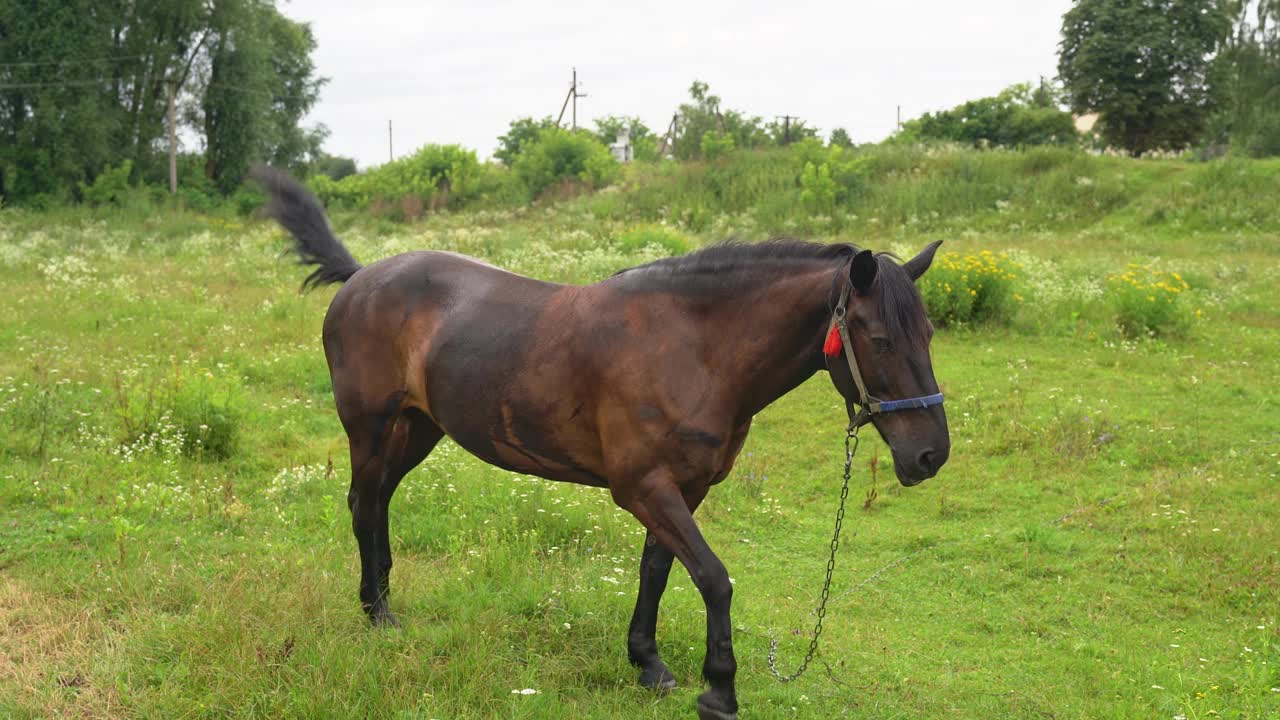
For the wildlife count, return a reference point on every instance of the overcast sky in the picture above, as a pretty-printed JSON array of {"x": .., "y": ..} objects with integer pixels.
[{"x": 460, "y": 71}]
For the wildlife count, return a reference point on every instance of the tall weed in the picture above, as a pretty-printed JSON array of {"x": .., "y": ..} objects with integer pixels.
[{"x": 195, "y": 416}]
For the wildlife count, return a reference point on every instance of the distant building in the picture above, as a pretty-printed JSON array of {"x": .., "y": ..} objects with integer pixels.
[
  {"x": 621, "y": 147},
  {"x": 1085, "y": 123}
]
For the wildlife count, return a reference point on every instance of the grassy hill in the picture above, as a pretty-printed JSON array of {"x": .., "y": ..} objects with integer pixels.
[{"x": 175, "y": 542}]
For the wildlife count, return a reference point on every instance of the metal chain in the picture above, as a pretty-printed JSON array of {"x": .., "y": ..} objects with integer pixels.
[{"x": 850, "y": 447}]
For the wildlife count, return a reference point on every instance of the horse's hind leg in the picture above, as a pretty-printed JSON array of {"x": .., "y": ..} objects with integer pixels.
[
  {"x": 642, "y": 642},
  {"x": 383, "y": 451}
]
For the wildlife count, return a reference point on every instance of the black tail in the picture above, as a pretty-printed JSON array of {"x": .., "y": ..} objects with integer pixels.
[{"x": 301, "y": 213}]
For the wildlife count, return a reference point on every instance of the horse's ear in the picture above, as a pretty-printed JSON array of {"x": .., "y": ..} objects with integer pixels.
[
  {"x": 862, "y": 271},
  {"x": 916, "y": 266}
]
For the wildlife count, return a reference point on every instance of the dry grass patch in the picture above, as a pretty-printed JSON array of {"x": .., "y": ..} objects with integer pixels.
[{"x": 48, "y": 652}]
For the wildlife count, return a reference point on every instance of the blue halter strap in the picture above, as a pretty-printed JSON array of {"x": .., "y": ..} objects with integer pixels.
[{"x": 909, "y": 403}]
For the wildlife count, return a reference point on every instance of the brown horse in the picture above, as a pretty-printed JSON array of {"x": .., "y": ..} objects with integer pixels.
[{"x": 644, "y": 383}]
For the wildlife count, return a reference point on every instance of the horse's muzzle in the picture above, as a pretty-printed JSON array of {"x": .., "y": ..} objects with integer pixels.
[{"x": 924, "y": 466}]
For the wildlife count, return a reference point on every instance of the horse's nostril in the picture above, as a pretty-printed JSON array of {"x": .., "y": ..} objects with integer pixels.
[
  {"x": 928, "y": 460},
  {"x": 931, "y": 460}
]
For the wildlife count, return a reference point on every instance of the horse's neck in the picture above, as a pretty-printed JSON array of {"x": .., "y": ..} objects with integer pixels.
[{"x": 770, "y": 341}]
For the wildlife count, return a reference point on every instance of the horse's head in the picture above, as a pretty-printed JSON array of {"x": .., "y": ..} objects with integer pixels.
[{"x": 889, "y": 333}]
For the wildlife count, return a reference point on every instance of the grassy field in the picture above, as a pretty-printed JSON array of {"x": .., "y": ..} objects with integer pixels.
[{"x": 174, "y": 538}]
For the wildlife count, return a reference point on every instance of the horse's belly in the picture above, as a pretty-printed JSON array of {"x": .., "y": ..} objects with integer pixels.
[{"x": 522, "y": 447}]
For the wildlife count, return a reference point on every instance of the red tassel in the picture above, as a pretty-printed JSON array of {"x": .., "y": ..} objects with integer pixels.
[{"x": 832, "y": 346}]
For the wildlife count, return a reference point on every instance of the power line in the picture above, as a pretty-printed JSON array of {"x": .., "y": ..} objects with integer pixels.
[
  {"x": 233, "y": 88},
  {"x": 56, "y": 83},
  {"x": 104, "y": 81},
  {"x": 74, "y": 61},
  {"x": 254, "y": 91}
]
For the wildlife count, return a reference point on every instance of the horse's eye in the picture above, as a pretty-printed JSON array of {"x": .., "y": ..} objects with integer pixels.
[{"x": 882, "y": 345}]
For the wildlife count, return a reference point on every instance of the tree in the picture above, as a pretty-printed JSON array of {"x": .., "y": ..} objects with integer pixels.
[
  {"x": 235, "y": 99},
  {"x": 1018, "y": 116},
  {"x": 840, "y": 138},
  {"x": 84, "y": 86},
  {"x": 523, "y": 131},
  {"x": 1143, "y": 66},
  {"x": 294, "y": 88},
  {"x": 1246, "y": 79},
  {"x": 335, "y": 167},
  {"x": 258, "y": 84},
  {"x": 704, "y": 115},
  {"x": 59, "y": 123},
  {"x": 784, "y": 131}
]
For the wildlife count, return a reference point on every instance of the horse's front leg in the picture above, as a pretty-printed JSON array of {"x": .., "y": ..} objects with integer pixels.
[{"x": 658, "y": 503}]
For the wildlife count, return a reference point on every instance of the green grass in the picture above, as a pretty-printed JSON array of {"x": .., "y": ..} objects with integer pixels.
[{"x": 1102, "y": 542}]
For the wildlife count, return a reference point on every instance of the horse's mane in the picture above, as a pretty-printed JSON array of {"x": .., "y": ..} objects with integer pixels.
[
  {"x": 733, "y": 267},
  {"x": 714, "y": 266}
]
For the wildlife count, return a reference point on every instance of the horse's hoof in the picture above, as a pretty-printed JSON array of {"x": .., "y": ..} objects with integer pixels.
[
  {"x": 659, "y": 679},
  {"x": 665, "y": 686},
  {"x": 707, "y": 712},
  {"x": 662, "y": 685},
  {"x": 384, "y": 619}
]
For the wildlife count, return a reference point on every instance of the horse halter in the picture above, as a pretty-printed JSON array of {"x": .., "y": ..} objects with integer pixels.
[{"x": 869, "y": 404}]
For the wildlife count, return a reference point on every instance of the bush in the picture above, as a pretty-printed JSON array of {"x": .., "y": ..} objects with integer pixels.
[
  {"x": 715, "y": 145},
  {"x": 111, "y": 187},
  {"x": 210, "y": 418},
  {"x": 641, "y": 236},
  {"x": 970, "y": 289},
  {"x": 434, "y": 177},
  {"x": 190, "y": 416},
  {"x": 247, "y": 200},
  {"x": 817, "y": 189},
  {"x": 1146, "y": 302},
  {"x": 521, "y": 135},
  {"x": 497, "y": 186},
  {"x": 1265, "y": 139},
  {"x": 560, "y": 155},
  {"x": 1017, "y": 117}
]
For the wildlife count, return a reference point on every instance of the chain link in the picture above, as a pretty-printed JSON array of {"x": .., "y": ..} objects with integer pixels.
[{"x": 850, "y": 448}]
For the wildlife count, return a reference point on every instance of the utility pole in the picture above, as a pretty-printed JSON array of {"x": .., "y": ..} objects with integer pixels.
[
  {"x": 391, "y": 153},
  {"x": 669, "y": 138},
  {"x": 899, "y": 117},
  {"x": 173, "y": 138},
  {"x": 572, "y": 95},
  {"x": 786, "y": 127}
]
